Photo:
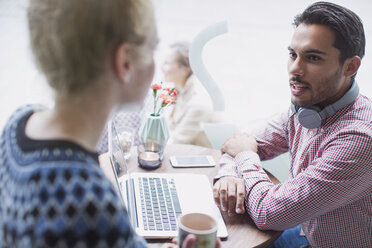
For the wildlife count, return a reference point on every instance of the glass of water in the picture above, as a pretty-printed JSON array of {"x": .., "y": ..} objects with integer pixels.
[{"x": 126, "y": 138}]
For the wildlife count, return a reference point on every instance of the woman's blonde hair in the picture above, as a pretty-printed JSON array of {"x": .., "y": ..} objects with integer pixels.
[{"x": 72, "y": 39}]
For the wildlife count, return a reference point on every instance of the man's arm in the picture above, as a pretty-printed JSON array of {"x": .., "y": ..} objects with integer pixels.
[
  {"x": 229, "y": 189},
  {"x": 272, "y": 138},
  {"x": 269, "y": 142},
  {"x": 340, "y": 176}
]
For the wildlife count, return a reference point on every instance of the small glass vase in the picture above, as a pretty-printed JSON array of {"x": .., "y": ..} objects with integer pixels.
[{"x": 154, "y": 134}]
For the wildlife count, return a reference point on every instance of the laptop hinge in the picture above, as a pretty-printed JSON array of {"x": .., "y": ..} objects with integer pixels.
[{"x": 131, "y": 198}]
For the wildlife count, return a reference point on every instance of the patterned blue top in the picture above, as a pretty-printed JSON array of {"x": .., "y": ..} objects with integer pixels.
[{"x": 54, "y": 194}]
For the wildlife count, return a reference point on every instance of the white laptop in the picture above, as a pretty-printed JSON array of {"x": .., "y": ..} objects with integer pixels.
[{"x": 155, "y": 200}]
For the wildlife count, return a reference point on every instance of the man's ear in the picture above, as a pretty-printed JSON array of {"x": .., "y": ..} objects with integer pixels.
[
  {"x": 122, "y": 62},
  {"x": 351, "y": 66}
]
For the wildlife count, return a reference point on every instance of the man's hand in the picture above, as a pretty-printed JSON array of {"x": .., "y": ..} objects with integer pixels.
[
  {"x": 239, "y": 143},
  {"x": 229, "y": 194}
]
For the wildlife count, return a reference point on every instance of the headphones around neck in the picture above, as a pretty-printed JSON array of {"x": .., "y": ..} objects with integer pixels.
[{"x": 312, "y": 117}]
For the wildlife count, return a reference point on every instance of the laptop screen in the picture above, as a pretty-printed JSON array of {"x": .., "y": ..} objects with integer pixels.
[
  {"x": 116, "y": 151},
  {"x": 118, "y": 163}
]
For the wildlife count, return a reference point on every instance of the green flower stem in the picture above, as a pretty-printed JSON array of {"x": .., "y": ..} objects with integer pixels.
[
  {"x": 161, "y": 107},
  {"x": 154, "y": 92}
]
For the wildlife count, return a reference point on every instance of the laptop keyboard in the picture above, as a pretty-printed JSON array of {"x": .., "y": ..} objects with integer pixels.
[{"x": 159, "y": 204}]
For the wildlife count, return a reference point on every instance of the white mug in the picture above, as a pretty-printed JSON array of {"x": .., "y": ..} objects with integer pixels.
[{"x": 203, "y": 226}]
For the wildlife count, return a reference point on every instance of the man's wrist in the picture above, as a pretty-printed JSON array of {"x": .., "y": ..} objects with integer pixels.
[
  {"x": 227, "y": 175},
  {"x": 247, "y": 154}
]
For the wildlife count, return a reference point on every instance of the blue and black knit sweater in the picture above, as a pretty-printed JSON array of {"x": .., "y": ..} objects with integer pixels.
[{"x": 54, "y": 194}]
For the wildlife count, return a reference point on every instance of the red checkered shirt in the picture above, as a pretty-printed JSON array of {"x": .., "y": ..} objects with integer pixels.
[{"x": 329, "y": 190}]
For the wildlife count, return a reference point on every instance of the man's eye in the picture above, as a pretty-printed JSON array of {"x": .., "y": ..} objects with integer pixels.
[
  {"x": 292, "y": 55},
  {"x": 314, "y": 58}
]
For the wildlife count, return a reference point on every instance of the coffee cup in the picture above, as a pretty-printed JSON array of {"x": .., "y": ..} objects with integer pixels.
[{"x": 203, "y": 226}]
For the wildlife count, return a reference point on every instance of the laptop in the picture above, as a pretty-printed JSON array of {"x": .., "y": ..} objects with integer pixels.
[{"x": 155, "y": 200}]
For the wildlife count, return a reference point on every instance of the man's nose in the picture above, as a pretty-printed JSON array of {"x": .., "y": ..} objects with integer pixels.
[{"x": 296, "y": 67}]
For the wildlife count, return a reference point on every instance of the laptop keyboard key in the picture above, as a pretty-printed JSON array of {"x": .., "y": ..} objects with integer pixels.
[{"x": 160, "y": 204}]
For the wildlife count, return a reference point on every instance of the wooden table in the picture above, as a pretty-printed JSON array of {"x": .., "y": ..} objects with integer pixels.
[{"x": 242, "y": 231}]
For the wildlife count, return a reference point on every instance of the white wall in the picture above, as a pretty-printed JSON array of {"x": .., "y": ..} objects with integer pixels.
[
  {"x": 249, "y": 63},
  {"x": 20, "y": 82}
]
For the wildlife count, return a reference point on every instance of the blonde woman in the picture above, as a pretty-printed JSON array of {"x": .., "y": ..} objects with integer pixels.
[{"x": 98, "y": 57}]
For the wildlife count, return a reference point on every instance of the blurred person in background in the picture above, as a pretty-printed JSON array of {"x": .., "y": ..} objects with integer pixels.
[{"x": 193, "y": 106}]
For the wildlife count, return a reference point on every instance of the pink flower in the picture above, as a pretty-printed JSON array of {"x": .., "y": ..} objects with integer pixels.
[
  {"x": 164, "y": 96},
  {"x": 156, "y": 87},
  {"x": 168, "y": 96},
  {"x": 173, "y": 93}
]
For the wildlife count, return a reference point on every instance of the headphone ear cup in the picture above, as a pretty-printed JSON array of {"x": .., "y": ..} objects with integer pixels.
[
  {"x": 313, "y": 116},
  {"x": 309, "y": 118}
]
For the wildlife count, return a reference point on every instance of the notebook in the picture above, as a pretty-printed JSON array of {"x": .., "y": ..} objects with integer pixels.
[{"x": 155, "y": 200}]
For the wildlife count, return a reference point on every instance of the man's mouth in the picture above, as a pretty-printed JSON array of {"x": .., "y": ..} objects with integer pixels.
[{"x": 298, "y": 88}]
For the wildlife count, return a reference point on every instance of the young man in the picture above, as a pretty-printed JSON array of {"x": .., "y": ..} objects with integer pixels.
[
  {"x": 98, "y": 57},
  {"x": 328, "y": 134}
]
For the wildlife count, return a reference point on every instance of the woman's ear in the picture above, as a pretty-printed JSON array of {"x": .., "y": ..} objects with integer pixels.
[
  {"x": 351, "y": 66},
  {"x": 122, "y": 62}
]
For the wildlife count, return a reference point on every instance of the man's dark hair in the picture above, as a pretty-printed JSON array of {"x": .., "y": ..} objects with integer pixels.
[{"x": 346, "y": 25}]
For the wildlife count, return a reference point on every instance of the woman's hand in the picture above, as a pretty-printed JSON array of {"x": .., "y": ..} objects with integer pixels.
[{"x": 189, "y": 242}]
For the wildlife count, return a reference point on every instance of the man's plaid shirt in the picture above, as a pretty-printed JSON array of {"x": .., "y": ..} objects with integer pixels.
[{"x": 329, "y": 190}]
